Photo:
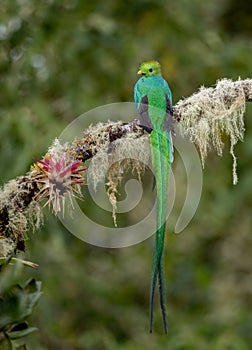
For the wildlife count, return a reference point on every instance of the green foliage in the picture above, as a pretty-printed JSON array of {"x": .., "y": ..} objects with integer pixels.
[
  {"x": 60, "y": 58},
  {"x": 16, "y": 304}
]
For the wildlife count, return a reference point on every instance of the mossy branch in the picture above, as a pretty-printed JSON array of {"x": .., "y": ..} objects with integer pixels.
[
  {"x": 209, "y": 113},
  {"x": 204, "y": 117}
]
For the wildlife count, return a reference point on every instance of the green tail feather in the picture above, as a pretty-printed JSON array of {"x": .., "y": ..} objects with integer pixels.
[
  {"x": 161, "y": 162},
  {"x": 158, "y": 274}
]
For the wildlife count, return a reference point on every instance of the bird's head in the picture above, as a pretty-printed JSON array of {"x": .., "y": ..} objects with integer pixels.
[{"x": 149, "y": 68}]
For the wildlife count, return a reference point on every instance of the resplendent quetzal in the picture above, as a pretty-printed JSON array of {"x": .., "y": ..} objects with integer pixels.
[{"x": 154, "y": 105}]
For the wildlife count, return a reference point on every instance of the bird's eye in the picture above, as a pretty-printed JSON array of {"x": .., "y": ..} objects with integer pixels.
[{"x": 150, "y": 70}]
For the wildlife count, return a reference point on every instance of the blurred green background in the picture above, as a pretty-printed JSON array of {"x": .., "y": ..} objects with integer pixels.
[{"x": 59, "y": 59}]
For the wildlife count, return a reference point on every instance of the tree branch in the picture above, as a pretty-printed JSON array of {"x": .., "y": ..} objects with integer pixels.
[{"x": 204, "y": 116}]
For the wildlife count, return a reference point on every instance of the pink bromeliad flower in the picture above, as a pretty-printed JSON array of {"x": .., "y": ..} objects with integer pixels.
[{"x": 60, "y": 176}]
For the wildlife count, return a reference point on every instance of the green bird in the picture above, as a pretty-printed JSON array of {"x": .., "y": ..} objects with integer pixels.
[{"x": 153, "y": 99}]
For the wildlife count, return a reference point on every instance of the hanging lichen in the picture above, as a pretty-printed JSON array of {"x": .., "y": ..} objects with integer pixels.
[
  {"x": 212, "y": 112},
  {"x": 109, "y": 165}
]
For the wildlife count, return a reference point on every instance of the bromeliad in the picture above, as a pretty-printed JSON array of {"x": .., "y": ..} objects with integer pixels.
[{"x": 154, "y": 105}]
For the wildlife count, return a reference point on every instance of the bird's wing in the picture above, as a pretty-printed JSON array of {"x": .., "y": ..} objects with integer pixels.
[
  {"x": 168, "y": 119},
  {"x": 143, "y": 113}
]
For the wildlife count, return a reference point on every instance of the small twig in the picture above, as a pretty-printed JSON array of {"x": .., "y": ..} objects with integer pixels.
[{"x": 24, "y": 262}]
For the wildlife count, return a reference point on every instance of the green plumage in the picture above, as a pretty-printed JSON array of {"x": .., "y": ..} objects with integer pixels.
[{"x": 153, "y": 98}]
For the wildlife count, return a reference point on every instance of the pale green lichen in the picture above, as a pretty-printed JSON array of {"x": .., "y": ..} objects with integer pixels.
[
  {"x": 17, "y": 218},
  {"x": 109, "y": 164},
  {"x": 7, "y": 246},
  {"x": 212, "y": 112},
  {"x": 101, "y": 135},
  {"x": 17, "y": 221},
  {"x": 57, "y": 149},
  {"x": 98, "y": 168},
  {"x": 34, "y": 215},
  {"x": 7, "y": 190}
]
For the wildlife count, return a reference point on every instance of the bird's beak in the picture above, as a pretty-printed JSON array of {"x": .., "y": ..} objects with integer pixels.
[{"x": 139, "y": 72}]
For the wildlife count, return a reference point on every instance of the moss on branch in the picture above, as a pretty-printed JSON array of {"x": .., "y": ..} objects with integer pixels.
[{"x": 204, "y": 117}]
